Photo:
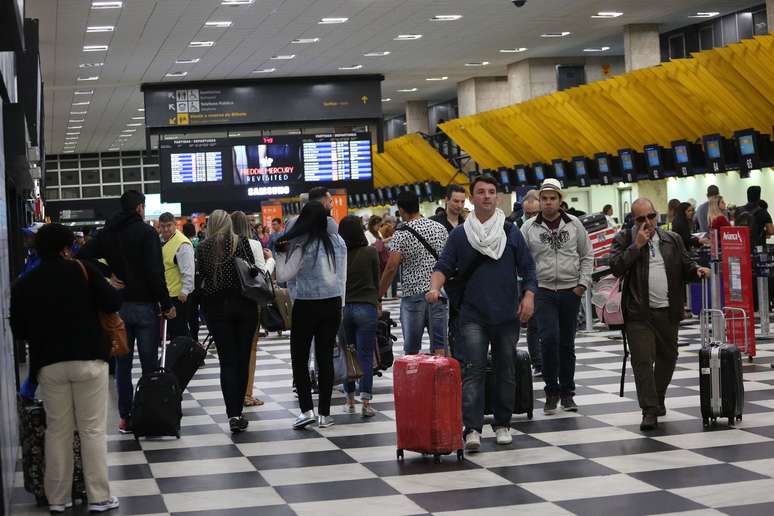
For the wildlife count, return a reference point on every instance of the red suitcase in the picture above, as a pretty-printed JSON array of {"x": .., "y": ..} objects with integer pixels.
[{"x": 428, "y": 405}]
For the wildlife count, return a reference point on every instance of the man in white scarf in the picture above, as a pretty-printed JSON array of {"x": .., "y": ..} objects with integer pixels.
[{"x": 487, "y": 255}]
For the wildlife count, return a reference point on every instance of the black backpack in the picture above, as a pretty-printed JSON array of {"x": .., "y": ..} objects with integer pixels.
[{"x": 749, "y": 218}]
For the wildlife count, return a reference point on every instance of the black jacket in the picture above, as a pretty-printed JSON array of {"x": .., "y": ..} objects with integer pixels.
[
  {"x": 631, "y": 264},
  {"x": 132, "y": 250},
  {"x": 55, "y": 311},
  {"x": 444, "y": 221}
]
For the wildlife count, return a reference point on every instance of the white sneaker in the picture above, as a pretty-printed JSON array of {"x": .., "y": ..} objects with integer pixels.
[
  {"x": 57, "y": 508},
  {"x": 473, "y": 441},
  {"x": 108, "y": 505},
  {"x": 503, "y": 435}
]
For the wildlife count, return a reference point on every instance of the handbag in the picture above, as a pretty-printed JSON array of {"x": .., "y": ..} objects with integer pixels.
[
  {"x": 354, "y": 371},
  {"x": 271, "y": 318},
  {"x": 608, "y": 301},
  {"x": 112, "y": 325},
  {"x": 255, "y": 283}
]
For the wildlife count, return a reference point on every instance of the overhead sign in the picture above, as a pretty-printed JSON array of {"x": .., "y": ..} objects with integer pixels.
[{"x": 249, "y": 102}]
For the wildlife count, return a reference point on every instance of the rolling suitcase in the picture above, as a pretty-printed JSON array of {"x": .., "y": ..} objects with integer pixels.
[
  {"x": 428, "y": 405},
  {"x": 721, "y": 386},
  {"x": 524, "y": 398},
  {"x": 184, "y": 357},
  {"x": 157, "y": 408},
  {"x": 32, "y": 433}
]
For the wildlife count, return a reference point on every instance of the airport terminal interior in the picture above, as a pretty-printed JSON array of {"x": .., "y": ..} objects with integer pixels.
[{"x": 185, "y": 107}]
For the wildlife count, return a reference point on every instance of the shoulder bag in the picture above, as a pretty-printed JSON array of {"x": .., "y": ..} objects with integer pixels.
[
  {"x": 112, "y": 325},
  {"x": 256, "y": 284}
]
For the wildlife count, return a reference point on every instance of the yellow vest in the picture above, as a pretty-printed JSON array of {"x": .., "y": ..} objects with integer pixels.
[{"x": 171, "y": 271}]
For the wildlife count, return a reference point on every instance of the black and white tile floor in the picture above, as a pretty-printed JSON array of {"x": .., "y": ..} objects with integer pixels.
[{"x": 590, "y": 463}]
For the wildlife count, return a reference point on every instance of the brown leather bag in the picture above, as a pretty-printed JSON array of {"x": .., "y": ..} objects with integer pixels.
[{"x": 112, "y": 327}]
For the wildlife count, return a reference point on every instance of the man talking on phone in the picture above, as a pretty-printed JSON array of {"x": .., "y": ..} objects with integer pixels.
[{"x": 655, "y": 268}]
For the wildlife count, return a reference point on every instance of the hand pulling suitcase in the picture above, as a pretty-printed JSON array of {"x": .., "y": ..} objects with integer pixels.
[
  {"x": 184, "y": 357},
  {"x": 524, "y": 400},
  {"x": 32, "y": 430},
  {"x": 721, "y": 386},
  {"x": 157, "y": 408},
  {"x": 428, "y": 405}
]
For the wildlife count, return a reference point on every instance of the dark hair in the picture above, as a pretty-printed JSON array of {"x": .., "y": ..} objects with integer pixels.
[
  {"x": 51, "y": 239},
  {"x": 712, "y": 191},
  {"x": 277, "y": 220},
  {"x": 607, "y": 207},
  {"x": 131, "y": 199},
  {"x": 189, "y": 230},
  {"x": 454, "y": 189},
  {"x": 374, "y": 222},
  {"x": 318, "y": 193},
  {"x": 351, "y": 231},
  {"x": 439, "y": 210},
  {"x": 408, "y": 202},
  {"x": 166, "y": 217},
  {"x": 564, "y": 205},
  {"x": 312, "y": 223},
  {"x": 483, "y": 179},
  {"x": 680, "y": 217}
]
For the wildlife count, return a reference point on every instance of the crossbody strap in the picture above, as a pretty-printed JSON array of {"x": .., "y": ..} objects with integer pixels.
[{"x": 421, "y": 239}]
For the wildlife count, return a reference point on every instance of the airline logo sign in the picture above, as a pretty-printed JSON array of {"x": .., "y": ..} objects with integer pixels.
[{"x": 732, "y": 237}]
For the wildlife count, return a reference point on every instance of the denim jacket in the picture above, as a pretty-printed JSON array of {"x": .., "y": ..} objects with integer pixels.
[{"x": 318, "y": 278}]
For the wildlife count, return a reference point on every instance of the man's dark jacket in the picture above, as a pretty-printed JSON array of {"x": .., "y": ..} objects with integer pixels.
[
  {"x": 132, "y": 250},
  {"x": 631, "y": 264}
]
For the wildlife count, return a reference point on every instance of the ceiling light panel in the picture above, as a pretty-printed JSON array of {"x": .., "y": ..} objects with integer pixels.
[
  {"x": 600, "y": 49},
  {"x": 100, "y": 28},
  {"x": 218, "y": 24},
  {"x": 437, "y": 78},
  {"x": 107, "y": 5},
  {"x": 407, "y": 37},
  {"x": 74, "y": 121},
  {"x": 377, "y": 54},
  {"x": 84, "y": 103},
  {"x": 513, "y": 50},
  {"x": 233, "y": 3},
  {"x": 388, "y": 99},
  {"x": 90, "y": 65},
  {"x": 265, "y": 70},
  {"x": 408, "y": 90},
  {"x": 84, "y": 92},
  {"x": 351, "y": 67},
  {"x": 304, "y": 41},
  {"x": 555, "y": 34},
  {"x": 95, "y": 48},
  {"x": 332, "y": 21},
  {"x": 187, "y": 61},
  {"x": 705, "y": 15},
  {"x": 133, "y": 125},
  {"x": 90, "y": 78},
  {"x": 479, "y": 63},
  {"x": 176, "y": 74},
  {"x": 607, "y": 14},
  {"x": 78, "y": 112},
  {"x": 446, "y": 17},
  {"x": 201, "y": 44},
  {"x": 283, "y": 57},
  {"x": 138, "y": 118}
]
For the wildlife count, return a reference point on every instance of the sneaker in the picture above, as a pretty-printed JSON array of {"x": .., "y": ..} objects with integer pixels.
[
  {"x": 503, "y": 434},
  {"x": 349, "y": 408},
  {"x": 367, "y": 411},
  {"x": 325, "y": 421},
  {"x": 235, "y": 425},
  {"x": 550, "y": 407},
  {"x": 649, "y": 422},
  {"x": 304, "y": 419},
  {"x": 60, "y": 508},
  {"x": 125, "y": 426},
  {"x": 568, "y": 404},
  {"x": 107, "y": 505},
  {"x": 243, "y": 423},
  {"x": 473, "y": 441}
]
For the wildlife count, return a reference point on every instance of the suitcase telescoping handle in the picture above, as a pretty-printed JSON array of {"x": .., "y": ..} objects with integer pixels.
[{"x": 163, "y": 341}]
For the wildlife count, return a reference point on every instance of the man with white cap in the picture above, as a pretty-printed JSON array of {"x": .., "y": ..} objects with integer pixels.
[{"x": 564, "y": 260}]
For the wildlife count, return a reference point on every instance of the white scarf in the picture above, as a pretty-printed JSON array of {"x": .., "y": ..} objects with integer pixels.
[{"x": 488, "y": 238}]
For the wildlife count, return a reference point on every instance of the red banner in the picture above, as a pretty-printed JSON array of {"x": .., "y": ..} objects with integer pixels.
[
  {"x": 738, "y": 286},
  {"x": 339, "y": 208},
  {"x": 269, "y": 212}
]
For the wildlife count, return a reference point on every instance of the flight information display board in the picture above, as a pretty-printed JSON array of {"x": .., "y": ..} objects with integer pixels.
[
  {"x": 196, "y": 167},
  {"x": 337, "y": 158}
]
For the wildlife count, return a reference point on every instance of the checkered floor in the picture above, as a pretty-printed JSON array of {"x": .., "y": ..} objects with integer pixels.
[{"x": 591, "y": 463}]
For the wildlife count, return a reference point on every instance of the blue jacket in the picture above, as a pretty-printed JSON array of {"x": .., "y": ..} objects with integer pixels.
[
  {"x": 492, "y": 292},
  {"x": 318, "y": 278}
]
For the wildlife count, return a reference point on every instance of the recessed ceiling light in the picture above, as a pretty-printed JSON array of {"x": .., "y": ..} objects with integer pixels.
[
  {"x": 265, "y": 70},
  {"x": 125, "y": 135},
  {"x": 330, "y": 21},
  {"x": 70, "y": 127},
  {"x": 78, "y": 112},
  {"x": 113, "y": 149},
  {"x": 437, "y": 78},
  {"x": 69, "y": 152},
  {"x": 704, "y": 15},
  {"x": 607, "y": 14},
  {"x": 236, "y": 2},
  {"x": 555, "y": 34},
  {"x": 95, "y": 48},
  {"x": 197, "y": 44},
  {"x": 187, "y": 61},
  {"x": 513, "y": 50},
  {"x": 302, "y": 41},
  {"x": 407, "y": 37},
  {"x": 600, "y": 49},
  {"x": 128, "y": 130},
  {"x": 388, "y": 99},
  {"x": 138, "y": 118},
  {"x": 75, "y": 121},
  {"x": 408, "y": 90},
  {"x": 107, "y": 5},
  {"x": 140, "y": 109},
  {"x": 377, "y": 54},
  {"x": 100, "y": 28},
  {"x": 176, "y": 74},
  {"x": 84, "y": 103},
  {"x": 446, "y": 17},
  {"x": 83, "y": 92},
  {"x": 71, "y": 138},
  {"x": 133, "y": 125},
  {"x": 352, "y": 67},
  {"x": 481, "y": 63},
  {"x": 218, "y": 24},
  {"x": 90, "y": 78},
  {"x": 90, "y": 65},
  {"x": 74, "y": 133},
  {"x": 283, "y": 57}
]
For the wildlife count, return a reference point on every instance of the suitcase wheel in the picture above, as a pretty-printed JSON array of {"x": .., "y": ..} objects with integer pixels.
[
  {"x": 706, "y": 422},
  {"x": 437, "y": 458},
  {"x": 529, "y": 415},
  {"x": 460, "y": 455},
  {"x": 739, "y": 417},
  {"x": 400, "y": 453},
  {"x": 749, "y": 358}
]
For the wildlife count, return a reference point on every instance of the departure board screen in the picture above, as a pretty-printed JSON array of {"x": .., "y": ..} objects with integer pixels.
[
  {"x": 712, "y": 148},
  {"x": 337, "y": 158},
  {"x": 580, "y": 168},
  {"x": 681, "y": 154},
  {"x": 196, "y": 167}
]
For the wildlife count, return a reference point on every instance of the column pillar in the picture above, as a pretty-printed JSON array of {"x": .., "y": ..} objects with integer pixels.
[
  {"x": 482, "y": 94},
  {"x": 770, "y": 15},
  {"x": 642, "y": 46},
  {"x": 416, "y": 117}
]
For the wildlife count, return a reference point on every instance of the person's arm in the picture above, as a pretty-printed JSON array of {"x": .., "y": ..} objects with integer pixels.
[
  {"x": 108, "y": 299},
  {"x": 154, "y": 268},
  {"x": 525, "y": 264},
  {"x": 389, "y": 272},
  {"x": 257, "y": 250},
  {"x": 187, "y": 266},
  {"x": 445, "y": 267},
  {"x": 768, "y": 225},
  {"x": 375, "y": 268},
  {"x": 341, "y": 267},
  {"x": 586, "y": 254}
]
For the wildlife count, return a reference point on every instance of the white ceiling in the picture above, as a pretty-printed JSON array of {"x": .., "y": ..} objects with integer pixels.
[{"x": 151, "y": 34}]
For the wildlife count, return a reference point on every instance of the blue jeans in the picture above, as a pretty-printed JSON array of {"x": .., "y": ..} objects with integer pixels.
[
  {"x": 557, "y": 319},
  {"x": 359, "y": 329},
  {"x": 416, "y": 314},
  {"x": 473, "y": 357},
  {"x": 142, "y": 325}
]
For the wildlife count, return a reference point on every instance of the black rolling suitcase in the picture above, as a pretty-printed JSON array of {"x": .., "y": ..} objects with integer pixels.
[
  {"x": 524, "y": 399},
  {"x": 721, "y": 386},
  {"x": 157, "y": 408},
  {"x": 595, "y": 222},
  {"x": 184, "y": 357}
]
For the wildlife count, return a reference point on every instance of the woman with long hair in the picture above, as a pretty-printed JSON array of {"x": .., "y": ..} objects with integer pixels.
[
  {"x": 682, "y": 222},
  {"x": 372, "y": 234},
  {"x": 317, "y": 287},
  {"x": 716, "y": 213},
  {"x": 231, "y": 318},
  {"x": 243, "y": 229},
  {"x": 671, "y": 209},
  {"x": 358, "y": 327}
]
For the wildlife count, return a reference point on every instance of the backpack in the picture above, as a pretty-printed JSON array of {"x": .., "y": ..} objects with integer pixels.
[{"x": 749, "y": 218}]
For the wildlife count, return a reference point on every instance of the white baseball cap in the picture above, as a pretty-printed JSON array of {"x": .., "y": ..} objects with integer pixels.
[{"x": 551, "y": 184}]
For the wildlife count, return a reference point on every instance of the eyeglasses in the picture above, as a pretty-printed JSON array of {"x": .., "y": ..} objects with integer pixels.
[{"x": 649, "y": 216}]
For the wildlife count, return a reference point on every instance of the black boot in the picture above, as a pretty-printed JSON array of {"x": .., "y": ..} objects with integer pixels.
[{"x": 649, "y": 422}]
